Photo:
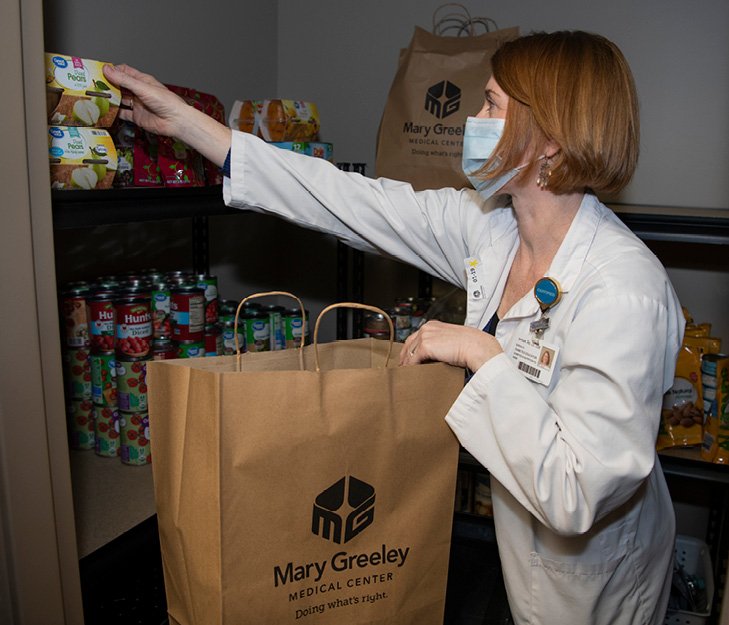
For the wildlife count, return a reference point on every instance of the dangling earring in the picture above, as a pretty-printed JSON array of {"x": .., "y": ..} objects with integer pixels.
[{"x": 545, "y": 172}]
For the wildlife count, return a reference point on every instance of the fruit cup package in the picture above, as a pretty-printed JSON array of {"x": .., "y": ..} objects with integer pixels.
[
  {"x": 210, "y": 105},
  {"x": 276, "y": 120},
  {"x": 78, "y": 94},
  {"x": 81, "y": 158},
  {"x": 311, "y": 148}
]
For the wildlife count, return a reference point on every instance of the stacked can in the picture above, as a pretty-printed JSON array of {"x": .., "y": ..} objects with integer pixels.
[
  {"x": 294, "y": 328},
  {"x": 227, "y": 310},
  {"x": 187, "y": 316},
  {"x": 134, "y": 347},
  {"x": 77, "y": 366}
]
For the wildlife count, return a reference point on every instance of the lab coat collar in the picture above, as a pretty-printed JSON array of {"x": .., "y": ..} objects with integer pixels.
[{"x": 570, "y": 257}]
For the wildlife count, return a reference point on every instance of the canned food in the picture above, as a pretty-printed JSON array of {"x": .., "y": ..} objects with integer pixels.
[
  {"x": 101, "y": 319},
  {"x": 229, "y": 337},
  {"x": 213, "y": 340},
  {"x": 226, "y": 311},
  {"x": 133, "y": 324},
  {"x": 190, "y": 349},
  {"x": 187, "y": 313},
  {"x": 257, "y": 331},
  {"x": 401, "y": 316},
  {"x": 375, "y": 322},
  {"x": 161, "y": 294},
  {"x": 293, "y": 328},
  {"x": 134, "y": 429},
  {"x": 177, "y": 278},
  {"x": 73, "y": 309},
  {"x": 106, "y": 430},
  {"x": 275, "y": 314},
  {"x": 80, "y": 417},
  {"x": 106, "y": 283},
  {"x": 164, "y": 349},
  {"x": 209, "y": 285},
  {"x": 131, "y": 382},
  {"x": 78, "y": 373},
  {"x": 103, "y": 379}
]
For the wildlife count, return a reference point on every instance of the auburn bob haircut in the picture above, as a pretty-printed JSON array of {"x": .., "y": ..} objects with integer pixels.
[{"x": 576, "y": 90}]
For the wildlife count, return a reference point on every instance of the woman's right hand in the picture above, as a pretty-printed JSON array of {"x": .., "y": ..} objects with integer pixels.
[
  {"x": 150, "y": 105},
  {"x": 146, "y": 101}
]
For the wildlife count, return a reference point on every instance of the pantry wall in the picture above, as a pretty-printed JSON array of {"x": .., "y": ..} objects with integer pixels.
[{"x": 287, "y": 49}]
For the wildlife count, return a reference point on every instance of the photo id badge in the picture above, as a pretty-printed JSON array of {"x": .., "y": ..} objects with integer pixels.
[{"x": 535, "y": 359}]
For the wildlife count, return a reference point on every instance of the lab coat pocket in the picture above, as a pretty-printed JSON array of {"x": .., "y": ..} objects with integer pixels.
[{"x": 602, "y": 593}]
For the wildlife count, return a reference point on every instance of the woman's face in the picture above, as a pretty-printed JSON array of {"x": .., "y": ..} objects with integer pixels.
[{"x": 496, "y": 101}]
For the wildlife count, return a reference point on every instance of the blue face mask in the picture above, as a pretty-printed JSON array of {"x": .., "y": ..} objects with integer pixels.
[{"x": 480, "y": 138}]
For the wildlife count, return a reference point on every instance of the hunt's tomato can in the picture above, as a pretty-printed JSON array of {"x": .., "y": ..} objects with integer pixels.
[
  {"x": 133, "y": 324},
  {"x": 77, "y": 371},
  {"x": 164, "y": 349},
  {"x": 187, "y": 311},
  {"x": 131, "y": 382},
  {"x": 80, "y": 418},
  {"x": 134, "y": 429},
  {"x": 101, "y": 319},
  {"x": 103, "y": 379},
  {"x": 106, "y": 429},
  {"x": 73, "y": 312}
]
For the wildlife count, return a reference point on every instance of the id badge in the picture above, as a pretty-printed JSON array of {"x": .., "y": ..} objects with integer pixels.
[{"x": 535, "y": 359}]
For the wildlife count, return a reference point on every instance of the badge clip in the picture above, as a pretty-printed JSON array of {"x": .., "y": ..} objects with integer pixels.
[{"x": 547, "y": 292}]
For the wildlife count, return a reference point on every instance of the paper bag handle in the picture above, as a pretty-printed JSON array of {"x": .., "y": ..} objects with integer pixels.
[
  {"x": 374, "y": 309},
  {"x": 265, "y": 294}
]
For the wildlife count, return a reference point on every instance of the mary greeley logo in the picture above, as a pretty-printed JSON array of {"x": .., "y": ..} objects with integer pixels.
[
  {"x": 333, "y": 521},
  {"x": 438, "y": 138}
]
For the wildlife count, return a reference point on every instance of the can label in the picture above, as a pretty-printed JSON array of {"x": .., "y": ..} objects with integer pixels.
[
  {"x": 293, "y": 329},
  {"x": 209, "y": 285},
  {"x": 75, "y": 320},
  {"x": 78, "y": 373},
  {"x": 257, "y": 333},
  {"x": 187, "y": 312},
  {"x": 134, "y": 428},
  {"x": 80, "y": 417},
  {"x": 163, "y": 349},
  {"x": 213, "y": 341},
  {"x": 229, "y": 338},
  {"x": 131, "y": 381},
  {"x": 103, "y": 379},
  {"x": 161, "y": 323},
  {"x": 106, "y": 428},
  {"x": 190, "y": 349},
  {"x": 101, "y": 319},
  {"x": 133, "y": 326}
]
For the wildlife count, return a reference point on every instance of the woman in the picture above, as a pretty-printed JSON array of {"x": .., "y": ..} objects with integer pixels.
[{"x": 584, "y": 521}]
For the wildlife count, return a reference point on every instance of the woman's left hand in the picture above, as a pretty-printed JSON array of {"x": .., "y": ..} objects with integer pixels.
[{"x": 451, "y": 343}]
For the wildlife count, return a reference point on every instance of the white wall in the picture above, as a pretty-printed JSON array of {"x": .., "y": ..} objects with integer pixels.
[{"x": 343, "y": 55}]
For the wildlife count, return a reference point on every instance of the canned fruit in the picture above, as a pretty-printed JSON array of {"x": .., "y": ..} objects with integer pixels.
[
  {"x": 106, "y": 422},
  {"x": 134, "y": 429},
  {"x": 131, "y": 380},
  {"x": 78, "y": 373},
  {"x": 81, "y": 158},
  {"x": 80, "y": 416},
  {"x": 103, "y": 379}
]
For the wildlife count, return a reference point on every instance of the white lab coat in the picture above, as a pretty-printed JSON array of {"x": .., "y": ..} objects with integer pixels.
[{"x": 584, "y": 521}]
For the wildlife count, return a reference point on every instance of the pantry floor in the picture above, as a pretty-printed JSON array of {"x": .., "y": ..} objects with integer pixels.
[{"x": 123, "y": 585}]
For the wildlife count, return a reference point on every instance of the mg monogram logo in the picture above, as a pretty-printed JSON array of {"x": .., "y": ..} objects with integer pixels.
[
  {"x": 343, "y": 510},
  {"x": 443, "y": 99}
]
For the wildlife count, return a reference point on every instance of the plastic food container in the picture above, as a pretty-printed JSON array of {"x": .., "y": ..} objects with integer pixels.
[{"x": 693, "y": 554}]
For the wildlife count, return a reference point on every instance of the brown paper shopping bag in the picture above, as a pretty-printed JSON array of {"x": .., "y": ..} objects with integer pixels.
[
  {"x": 439, "y": 82},
  {"x": 313, "y": 485}
]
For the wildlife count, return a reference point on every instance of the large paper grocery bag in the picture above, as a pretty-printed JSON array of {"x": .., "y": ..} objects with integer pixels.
[{"x": 313, "y": 485}]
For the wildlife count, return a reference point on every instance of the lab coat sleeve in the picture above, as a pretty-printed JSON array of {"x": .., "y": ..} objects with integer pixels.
[
  {"x": 432, "y": 230},
  {"x": 575, "y": 455}
]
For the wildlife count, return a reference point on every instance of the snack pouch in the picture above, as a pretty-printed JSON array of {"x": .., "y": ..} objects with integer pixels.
[
  {"x": 682, "y": 415},
  {"x": 78, "y": 94},
  {"x": 276, "y": 120},
  {"x": 144, "y": 157},
  {"x": 715, "y": 445},
  {"x": 81, "y": 158},
  {"x": 123, "y": 134}
]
